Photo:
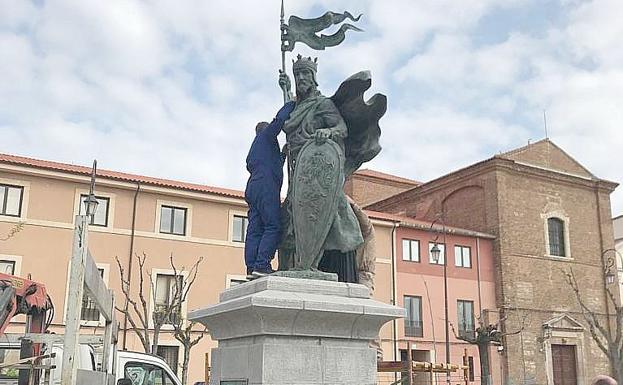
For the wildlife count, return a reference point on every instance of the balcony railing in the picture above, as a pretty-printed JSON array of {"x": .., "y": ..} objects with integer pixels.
[{"x": 413, "y": 328}]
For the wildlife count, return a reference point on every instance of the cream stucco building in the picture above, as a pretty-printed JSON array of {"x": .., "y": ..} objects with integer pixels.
[{"x": 137, "y": 215}]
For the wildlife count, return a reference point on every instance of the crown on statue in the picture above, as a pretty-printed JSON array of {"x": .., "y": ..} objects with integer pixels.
[{"x": 305, "y": 63}]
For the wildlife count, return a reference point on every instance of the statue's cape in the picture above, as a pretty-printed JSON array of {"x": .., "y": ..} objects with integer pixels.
[{"x": 362, "y": 119}]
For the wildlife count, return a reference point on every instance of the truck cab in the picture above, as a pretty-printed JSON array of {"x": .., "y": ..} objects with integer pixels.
[
  {"x": 137, "y": 368},
  {"x": 143, "y": 369}
]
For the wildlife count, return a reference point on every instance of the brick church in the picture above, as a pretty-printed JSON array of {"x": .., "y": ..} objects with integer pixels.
[{"x": 548, "y": 214}]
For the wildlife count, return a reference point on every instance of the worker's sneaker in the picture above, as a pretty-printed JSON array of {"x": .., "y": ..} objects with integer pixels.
[
  {"x": 250, "y": 275},
  {"x": 257, "y": 273}
]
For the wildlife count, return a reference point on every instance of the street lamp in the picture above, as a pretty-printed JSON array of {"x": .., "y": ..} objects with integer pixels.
[
  {"x": 435, "y": 253},
  {"x": 610, "y": 263},
  {"x": 90, "y": 204},
  {"x": 610, "y": 277}
]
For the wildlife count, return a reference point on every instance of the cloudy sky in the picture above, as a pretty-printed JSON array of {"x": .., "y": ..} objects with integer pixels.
[{"x": 174, "y": 88}]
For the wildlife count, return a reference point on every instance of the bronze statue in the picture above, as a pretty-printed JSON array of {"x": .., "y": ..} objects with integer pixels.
[{"x": 328, "y": 139}]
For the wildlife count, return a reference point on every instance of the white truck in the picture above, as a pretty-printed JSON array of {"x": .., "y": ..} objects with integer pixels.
[
  {"x": 143, "y": 369},
  {"x": 132, "y": 368}
]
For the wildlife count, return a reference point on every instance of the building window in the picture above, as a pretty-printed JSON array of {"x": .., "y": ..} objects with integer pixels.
[
  {"x": 11, "y": 200},
  {"x": 462, "y": 256},
  {"x": 442, "y": 253},
  {"x": 465, "y": 312},
  {"x": 173, "y": 220},
  {"x": 89, "y": 311},
  {"x": 556, "y": 232},
  {"x": 411, "y": 250},
  {"x": 170, "y": 355},
  {"x": 165, "y": 295},
  {"x": 239, "y": 228},
  {"x": 413, "y": 320},
  {"x": 100, "y": 218},
  {"x": 7, "y": 267}
]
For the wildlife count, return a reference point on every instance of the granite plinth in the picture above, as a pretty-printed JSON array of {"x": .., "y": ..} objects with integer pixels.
[
  {"x": 306, "y": 274},
  {"x": 279, "y": 330}
]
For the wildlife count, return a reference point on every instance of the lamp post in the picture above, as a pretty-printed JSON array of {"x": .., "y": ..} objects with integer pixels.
[
  {"x": 90, "y": 204},
  {"x": 610, "y": 263},
  {"x": 435, "y": 254}
]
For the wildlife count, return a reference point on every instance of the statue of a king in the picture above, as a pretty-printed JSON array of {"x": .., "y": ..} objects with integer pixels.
[{"x": 327, "y": 139}]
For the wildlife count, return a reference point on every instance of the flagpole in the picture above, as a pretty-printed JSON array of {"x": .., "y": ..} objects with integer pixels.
[{"x": 283, "y": 52}]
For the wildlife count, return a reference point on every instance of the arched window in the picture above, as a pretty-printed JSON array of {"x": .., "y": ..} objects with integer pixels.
[{"x": 556, "y": 232}]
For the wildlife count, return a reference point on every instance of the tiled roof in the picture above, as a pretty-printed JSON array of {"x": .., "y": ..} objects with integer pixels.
[
  {"x": 120, "y": 176},
  {"x": 385, "y": 176},
  {"x": 425, "y": 225}
]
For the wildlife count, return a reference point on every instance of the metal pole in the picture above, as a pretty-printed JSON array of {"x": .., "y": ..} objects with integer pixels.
[
  {"x": 445, "y": 291},
  {"x": 130, "y": 256},
  {"x": 394, "y": 297},
  {"x": 283, "y": 52},
  {"x": 409, "y": 363},
  {"x": 465, "y": 370}
]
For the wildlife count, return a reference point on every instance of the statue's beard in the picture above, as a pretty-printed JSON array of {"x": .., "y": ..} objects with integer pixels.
[{"x": 304, "y": 89}]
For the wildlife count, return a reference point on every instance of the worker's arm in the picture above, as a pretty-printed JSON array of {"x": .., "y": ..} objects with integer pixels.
[{"x": 276, "y": 125}]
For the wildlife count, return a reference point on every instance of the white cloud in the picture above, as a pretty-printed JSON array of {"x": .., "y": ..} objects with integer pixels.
[
  {"x": 438, "y": 140},
  {"x": 174, "y": 89},
  {"x": 595, "y": 32}
]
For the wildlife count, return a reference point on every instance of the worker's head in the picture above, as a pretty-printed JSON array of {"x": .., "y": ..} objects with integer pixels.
[{"x": 260, "y": 126}]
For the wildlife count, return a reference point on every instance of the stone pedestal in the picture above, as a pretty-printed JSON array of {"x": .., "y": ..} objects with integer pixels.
[{"x": 288, "y": 331}]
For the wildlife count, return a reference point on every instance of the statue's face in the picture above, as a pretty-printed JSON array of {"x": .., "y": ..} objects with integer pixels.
[{"x": 304, "y": 80}]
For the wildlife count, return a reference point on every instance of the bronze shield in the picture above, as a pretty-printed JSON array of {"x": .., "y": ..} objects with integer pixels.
[{"x": 317, "y": 182}]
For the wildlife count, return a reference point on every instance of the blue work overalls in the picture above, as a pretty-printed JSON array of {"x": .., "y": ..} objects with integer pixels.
[{"x": 265, "y": 164}]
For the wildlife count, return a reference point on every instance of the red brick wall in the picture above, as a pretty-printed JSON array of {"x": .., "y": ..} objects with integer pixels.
[{"x": 366, "y": 190}]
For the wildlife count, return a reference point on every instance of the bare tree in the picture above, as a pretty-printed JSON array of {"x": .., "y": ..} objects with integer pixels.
[
  {"x": 136, "y": 311},
  {"x": 137, "y": 308},
  {"x": 484, "y": 336},
  {"x": 609, "y": 340},
  {"x": 13, "y": 231},
  {"x": 189, "y": 338},
  {"x": 183, "y": 330}
]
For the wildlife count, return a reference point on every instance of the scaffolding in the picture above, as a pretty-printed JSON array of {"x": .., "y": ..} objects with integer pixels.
[{"x": 409, "y": 368}]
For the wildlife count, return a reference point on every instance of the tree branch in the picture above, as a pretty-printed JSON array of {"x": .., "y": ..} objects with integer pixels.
[
  {"x": 14, "y": 230},
  {"x": 523, "y": 326},
  {"x": 589, "y": 316},
  {"x": 125, "y": 289},
  {"x": 466, "y": 339}
]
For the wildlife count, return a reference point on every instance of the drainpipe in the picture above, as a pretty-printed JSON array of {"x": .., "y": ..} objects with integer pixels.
[
  {"x": 603, "y": 265},
  {"x": 394, "y": 294},
  {"x": 478, "y": 275},
  {"x": 130, "y": 257}
]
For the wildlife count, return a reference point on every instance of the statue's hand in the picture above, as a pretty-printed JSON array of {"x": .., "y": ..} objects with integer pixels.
[
  {"x": 284, "y": 81},
  {"x": 321, "y": 135}
]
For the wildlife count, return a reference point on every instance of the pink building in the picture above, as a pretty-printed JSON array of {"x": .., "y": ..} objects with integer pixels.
[{"x": 420, "y": 290}]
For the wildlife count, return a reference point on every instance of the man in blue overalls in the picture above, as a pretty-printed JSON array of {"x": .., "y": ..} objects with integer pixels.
[{"x": 265, "y": 164}]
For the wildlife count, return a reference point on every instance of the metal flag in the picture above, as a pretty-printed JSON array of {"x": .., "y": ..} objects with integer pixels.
[{"x": 305, "y": 31}]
